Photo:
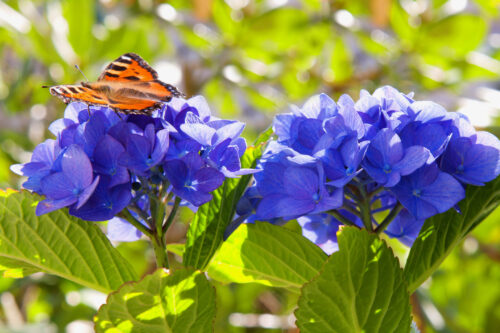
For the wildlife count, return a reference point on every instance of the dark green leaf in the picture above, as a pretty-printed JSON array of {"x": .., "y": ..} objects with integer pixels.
[
  {"x": 206, "y": 231},
  {"x": 183, "y": 301},
  {"x": 360, "y": 289},
  {"x": 441, "y": 233},
  {"x": 266, "y": 254},
  {"x": 57, "y": 244}
]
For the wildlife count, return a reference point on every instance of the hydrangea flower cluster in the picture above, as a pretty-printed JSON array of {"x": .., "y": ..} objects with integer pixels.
[
  {"x": 385, "y": 162},
  {"x": 101, "y": 163}
]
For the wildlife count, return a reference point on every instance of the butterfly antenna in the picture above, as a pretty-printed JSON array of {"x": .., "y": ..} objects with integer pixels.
[{"x": 77, "y": 67}]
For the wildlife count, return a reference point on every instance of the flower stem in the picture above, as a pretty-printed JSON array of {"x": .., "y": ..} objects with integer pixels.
[
  {"x": 172, "y": 214},
  {"x": 341, "y": 218},
  {"x": 375, "y": 192},
  {"x": 130, "y": 218},
  {"x": 366, "y": 217},
  {"x": 388, "y": 219},
  {"x": 351, "y": 210},
  {"x": 158, "y": 238},
  {"x": 160, "y": 248}
]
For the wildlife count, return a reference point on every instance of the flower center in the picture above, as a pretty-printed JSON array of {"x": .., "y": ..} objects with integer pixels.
[
  {"x": 349, "y": 171},
  {"x": 460, "y": 168},
  {"x": 387, "y": 168},
  {"x": 416, "y": 192},
  {"x": 315, "y": 197}
]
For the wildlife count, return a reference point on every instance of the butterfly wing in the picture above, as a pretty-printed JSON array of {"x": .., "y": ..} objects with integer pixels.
[
  {"x": 131, "y": 105},
  {"x": 128, "y": 67},
  {"x": 133, "y": 71},
  {"x": 78, "y": 93},
  {"x": 128, "y": 84}
]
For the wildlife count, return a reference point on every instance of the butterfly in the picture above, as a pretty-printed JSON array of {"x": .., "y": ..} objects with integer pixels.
[{"x": 127, "y": 85}]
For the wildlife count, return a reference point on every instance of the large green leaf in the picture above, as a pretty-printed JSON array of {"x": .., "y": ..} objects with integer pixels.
[
  {"x": 183, "y": 301},
  {"x": 57, "y": 244},
  {"x": 80, "y": 16},
  {"x": 266, "y": 254},
  {"x": 360, "y": 289},
  {"x": 206, "y": 231},
  {"x": 441, "y": 233},
  {"x": 453, "y": 37}
]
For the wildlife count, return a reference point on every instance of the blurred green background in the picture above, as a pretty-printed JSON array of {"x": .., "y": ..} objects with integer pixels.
[{"x": 251, "y": 59}]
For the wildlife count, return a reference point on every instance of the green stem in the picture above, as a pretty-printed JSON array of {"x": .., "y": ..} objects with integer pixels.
[
  {"x": 158, "y": 238},
  {"x": 130, "y": 218},
  {"x": 366, "y": 216},
  {"x": 172, "y": 214},
  {"x": 364, "y": 205},
  {"x": 160, "y": 248},
  {"x": 159, "y": 216},
  {"x": 375, "y": 192},
  {"x": 351, "y": 210},
  {"x": 341, "y": 218},
  {"x": 388, "y": 219}
]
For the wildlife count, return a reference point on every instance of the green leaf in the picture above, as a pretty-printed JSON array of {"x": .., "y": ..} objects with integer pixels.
[
  {"x": 266, "y": 254},
  {"x": 206, "y": 231},
  {"x": 340, "y": 61},
  {"x": 80, "y": 18},
  {"x": 183, "y": 301},
  {"x": 360, "y": 289},
  {"x": 453, "y": 37},
  {"x": 441, "y": 233},
  {"x": 57, "y": 244}
]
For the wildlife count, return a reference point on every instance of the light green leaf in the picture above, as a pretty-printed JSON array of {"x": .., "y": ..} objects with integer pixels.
[
  {"x": 57, "y": 244},
  {"x": 360, "y": 289},
  {"x": 266, "y": 254},
  {"x": 80, "y": 18},
  {"x": 206, "y": 231},
  {"x": 441, "y": 233},
  {"x": 183, "y": 301},
  {"x": 453, "y": 37},
  {"x": 340, "y": 61}
]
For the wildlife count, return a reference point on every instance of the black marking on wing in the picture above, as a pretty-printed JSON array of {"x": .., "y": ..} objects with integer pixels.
[
  {"x": 123, "y": 61},
  {"x": 142, "y": 63},
  {"x": 112, "y": 101},
  {"x": 132, "y": 78},
  {"x": 175, "y": 92},
  {"x": 117, "y": 67},
  {"x": 146, "y": 111}
]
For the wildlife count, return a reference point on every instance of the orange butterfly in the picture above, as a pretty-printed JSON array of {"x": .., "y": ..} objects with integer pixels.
[{"x": 127, "y": 85}]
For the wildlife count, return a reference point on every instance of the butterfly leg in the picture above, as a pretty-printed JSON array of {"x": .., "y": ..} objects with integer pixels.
[
  {"x": 88, "y": 109},
  {"x": 117, "y": 113}
]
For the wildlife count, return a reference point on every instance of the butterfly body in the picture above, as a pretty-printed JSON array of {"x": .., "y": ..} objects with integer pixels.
[{"x": 127, "y": 85}]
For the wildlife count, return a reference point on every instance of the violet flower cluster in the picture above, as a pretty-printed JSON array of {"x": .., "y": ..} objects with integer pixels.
[
  {"x": 385, "y": 162},
  {"x": 102, "y": 163}
]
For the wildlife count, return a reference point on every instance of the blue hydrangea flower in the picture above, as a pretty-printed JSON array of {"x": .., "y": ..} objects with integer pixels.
[
  {"x": 321, "y": 229},
  {"x": 72, "y": 185},
  {"x": 192, "y": 180},
  {"x": 292, "y": 184},
  {"x": 101, "y": 163},
  {"x": 302, "y": 129},
  {"x": 428, "y": 191},
  {"x": 405, "y": 228},
  {"x": 145, "y": 151},
  {"x": 41, "y": 165},
  {"x": 386, "y": 160},
  {"x": 472, "y": 157},
  {"x": 384, "y": 153}
]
